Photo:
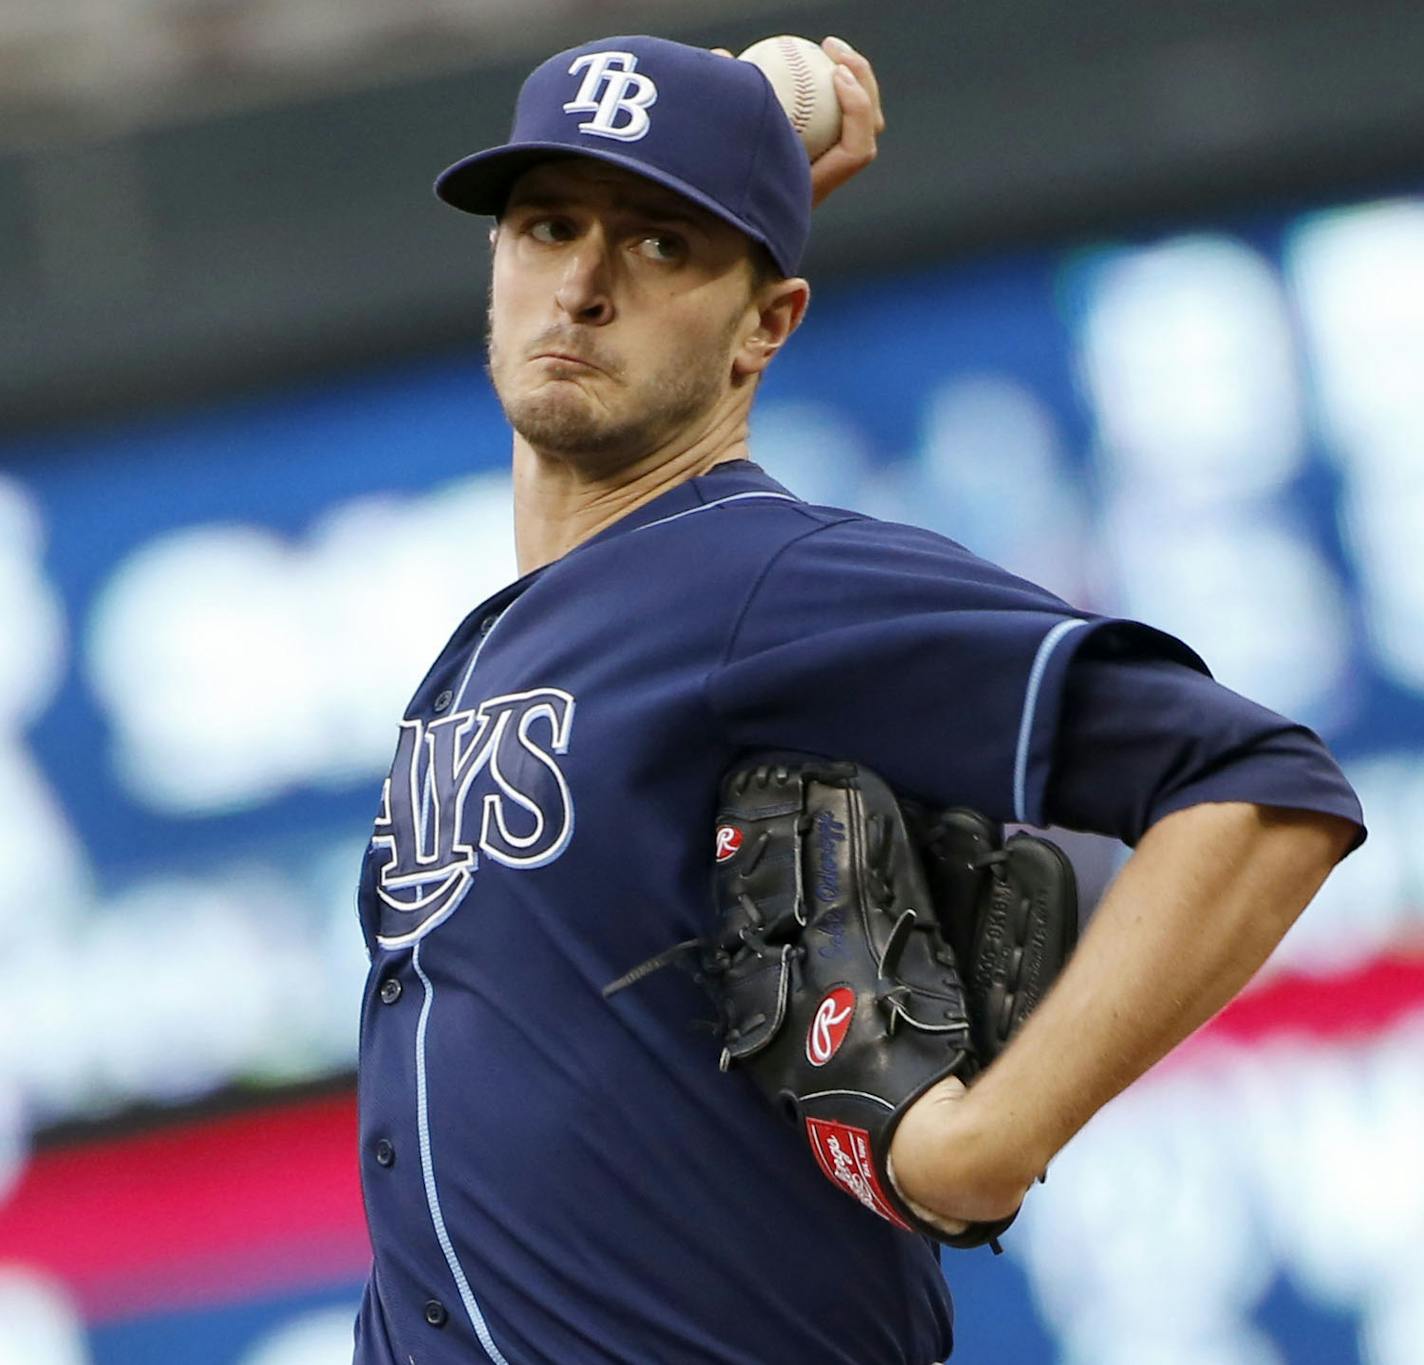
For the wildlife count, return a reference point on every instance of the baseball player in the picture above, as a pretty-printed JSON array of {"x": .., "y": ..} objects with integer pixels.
[{"x": 552, "y": 1176}]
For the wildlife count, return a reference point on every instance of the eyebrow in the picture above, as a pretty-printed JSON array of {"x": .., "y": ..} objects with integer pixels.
[{"x": 664, "y": 211}]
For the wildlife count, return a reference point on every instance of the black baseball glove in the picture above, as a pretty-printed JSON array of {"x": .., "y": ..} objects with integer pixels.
[
  {"x": 864, "y": 951},
  {"x": 1009, "y": 910}
]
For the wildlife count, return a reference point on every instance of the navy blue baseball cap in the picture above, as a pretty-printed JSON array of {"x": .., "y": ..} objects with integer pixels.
[{"x": 706, "y": 126}]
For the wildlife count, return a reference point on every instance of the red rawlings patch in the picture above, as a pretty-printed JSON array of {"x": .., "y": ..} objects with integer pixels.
[
  {"x": 829, "y": 1025},
  {"x": 729, "y": 840},
  {"x": 843, "y": 1153}
]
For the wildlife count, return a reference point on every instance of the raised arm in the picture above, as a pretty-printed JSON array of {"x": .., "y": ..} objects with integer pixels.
[{"x": 1200, "y": 905}]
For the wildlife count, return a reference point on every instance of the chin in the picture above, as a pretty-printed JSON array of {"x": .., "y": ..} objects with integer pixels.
[{"x": 562, "y": 423}]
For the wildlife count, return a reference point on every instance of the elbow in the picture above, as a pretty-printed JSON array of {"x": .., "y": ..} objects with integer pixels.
[
  {"x": 1298, "y": 849},
  {"x": 1267, "y": 861},
  {"x": 1322, "y": 839}
]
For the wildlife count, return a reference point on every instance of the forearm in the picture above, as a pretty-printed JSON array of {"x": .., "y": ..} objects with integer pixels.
[{"x": 1198, "y": 908}]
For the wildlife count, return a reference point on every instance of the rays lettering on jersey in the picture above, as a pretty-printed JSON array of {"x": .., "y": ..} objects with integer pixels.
[
  {"x": 625, "y": 90},
  {"x": 482, "y": 781}
]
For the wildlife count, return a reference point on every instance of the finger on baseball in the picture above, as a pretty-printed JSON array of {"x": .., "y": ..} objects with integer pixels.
[
  {"x": 855, "y": 150},
  {"x": 858, "y": 130},
  {"x": 859, "y": 122},
  {"x": 843, "y": 54},
  {"x": 722, "y": 51}
]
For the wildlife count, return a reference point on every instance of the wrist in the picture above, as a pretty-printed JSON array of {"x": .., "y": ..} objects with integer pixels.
[
  {"x": 1015, "y": 1130},
  {"x": 949, "y": 1164}
]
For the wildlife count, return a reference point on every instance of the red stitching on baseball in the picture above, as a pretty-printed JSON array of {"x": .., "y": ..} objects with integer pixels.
[{"x": 803, "y": 81}]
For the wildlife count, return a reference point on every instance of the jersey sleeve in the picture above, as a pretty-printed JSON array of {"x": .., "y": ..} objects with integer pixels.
[
  {"x": 1141, "y": 737},
  {"x": 897, "y": 648}
]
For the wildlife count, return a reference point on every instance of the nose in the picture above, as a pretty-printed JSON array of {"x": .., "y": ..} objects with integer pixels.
[{"x": 585, "y": 288}]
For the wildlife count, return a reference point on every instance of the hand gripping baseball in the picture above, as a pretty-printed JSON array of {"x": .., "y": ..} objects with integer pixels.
[{"x": 862, "y": 119}]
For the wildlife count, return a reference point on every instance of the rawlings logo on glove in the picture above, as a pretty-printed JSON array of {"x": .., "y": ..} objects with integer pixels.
[{"x": 830, "y": 1025}]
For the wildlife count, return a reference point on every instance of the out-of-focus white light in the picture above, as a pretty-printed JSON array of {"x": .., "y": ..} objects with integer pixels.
[
  {"x": 179, "y": 986},
  {"x": 993, "y": 459},
  {"x": 1165, "y": 1220},
  {"x": 1333, "y": 1133},
  {"x": 200, "y": 649},
  {"x": 174, "y": 989},
  {"x": 1188, "y": 360},
  {"x": 323, "y": 1338},
  {"x": 813, "y": 449},
  {"x": 1178, "y": 1338},
  {"x": 1382, "y": 513},
  {"x": 1253, "y": 597},
  {"x": 1191, "y": 1269},
  {"x": 14, "y": 1145},
  {"x": 34, "y": 832},
  {"x": 235, "y": 665},
  {"x": 1394, "y": 1334},
  {"x": 40, "y": 1324},
  {"x": 1359, "y": 277},
  {"x": 1375, "y": 899},
  {"x": 32, "y": 640}
]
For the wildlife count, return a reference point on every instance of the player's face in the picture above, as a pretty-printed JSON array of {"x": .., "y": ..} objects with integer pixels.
[{"x": 616, "y": 311}]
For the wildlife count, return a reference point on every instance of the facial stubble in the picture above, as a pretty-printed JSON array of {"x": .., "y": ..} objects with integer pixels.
[{"x": 561, "y": 418}]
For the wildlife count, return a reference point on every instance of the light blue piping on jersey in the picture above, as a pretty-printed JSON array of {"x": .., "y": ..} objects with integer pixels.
[
  {"x": 427, "y": 1166},
  {"x": 716, "y": 502},
  {"x": 428, "y": 786},
  {"x": 474, "y": 659},
  {"x": 1035, "y": 681}
]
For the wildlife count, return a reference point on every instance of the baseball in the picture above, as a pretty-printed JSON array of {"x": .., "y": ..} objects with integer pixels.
[{"x": 800, "y": 73}]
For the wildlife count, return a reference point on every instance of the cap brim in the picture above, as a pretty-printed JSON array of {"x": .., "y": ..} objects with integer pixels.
[{"x": 481, "y": 183}]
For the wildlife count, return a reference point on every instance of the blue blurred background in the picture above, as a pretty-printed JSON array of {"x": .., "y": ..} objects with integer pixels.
[{"x": 235, "y": 528}]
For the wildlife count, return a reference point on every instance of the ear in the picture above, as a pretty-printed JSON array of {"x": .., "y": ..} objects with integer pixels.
[{"x": 780, "y": 305}]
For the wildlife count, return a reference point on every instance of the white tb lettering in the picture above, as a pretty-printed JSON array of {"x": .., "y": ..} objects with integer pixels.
[{"x": 624, "y": 89}]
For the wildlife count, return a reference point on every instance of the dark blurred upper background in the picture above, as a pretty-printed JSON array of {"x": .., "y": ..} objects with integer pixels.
[{"x": 197, "y": 195}]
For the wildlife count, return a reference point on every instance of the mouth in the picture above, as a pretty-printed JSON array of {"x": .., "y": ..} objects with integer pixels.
[{"x": 563, "y": 358}]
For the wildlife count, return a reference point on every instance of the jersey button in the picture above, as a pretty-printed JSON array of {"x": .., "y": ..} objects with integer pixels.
[
  {"x": 442, "y": 702},
  {"x": 487, "y": 625},
  {"x": 385, "y": 1153},
  {"x": 390, "y": 991},
  {"x": 435, "y": 1313}
]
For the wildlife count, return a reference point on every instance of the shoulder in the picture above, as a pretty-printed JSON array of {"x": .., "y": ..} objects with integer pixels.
[
  {"x": 842, "y": 551},
  {"x": 892, "y": 584},
  {"x": 742, "y": 537}
]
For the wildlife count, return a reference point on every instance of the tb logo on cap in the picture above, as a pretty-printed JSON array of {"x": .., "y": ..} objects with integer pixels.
[{"x": 625, "y": 90}]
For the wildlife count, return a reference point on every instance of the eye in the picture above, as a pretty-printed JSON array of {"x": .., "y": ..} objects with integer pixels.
[
  {"x": 661, "y": 246},
  {"x": 548, "y": 230}
]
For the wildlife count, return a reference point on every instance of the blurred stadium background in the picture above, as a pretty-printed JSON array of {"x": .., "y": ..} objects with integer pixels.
[{"x": 1133, "y": 302}]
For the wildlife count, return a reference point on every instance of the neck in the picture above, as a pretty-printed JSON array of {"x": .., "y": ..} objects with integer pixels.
[{"x": 559, "y": 503}]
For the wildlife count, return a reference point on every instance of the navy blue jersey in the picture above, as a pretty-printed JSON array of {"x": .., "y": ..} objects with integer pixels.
[{"x": 552, "y": 1177}]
